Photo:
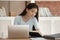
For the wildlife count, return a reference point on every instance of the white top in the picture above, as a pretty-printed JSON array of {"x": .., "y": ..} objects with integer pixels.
[{"x": 30, "y": 22}]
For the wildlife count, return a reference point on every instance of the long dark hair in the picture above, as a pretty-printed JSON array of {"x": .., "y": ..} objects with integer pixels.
[{"x": 30, "y": 6}]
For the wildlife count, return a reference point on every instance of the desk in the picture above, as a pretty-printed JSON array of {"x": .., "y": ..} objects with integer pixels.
[
  {"x": 57, "y": 38},
  {"x": 14, "y": 39},
  {"x": 26, "y": 38}
]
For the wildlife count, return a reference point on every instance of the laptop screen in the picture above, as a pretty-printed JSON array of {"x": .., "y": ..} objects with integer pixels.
[{"x": 18, "y": 31}]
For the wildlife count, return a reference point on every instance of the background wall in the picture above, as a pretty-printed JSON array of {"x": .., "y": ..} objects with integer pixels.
[
  {"x": 54, "y": 6},
  {"x": 6, "y": 5},
  {"x": 13, "y": 7},
  {"x": 17, "y": 6}
]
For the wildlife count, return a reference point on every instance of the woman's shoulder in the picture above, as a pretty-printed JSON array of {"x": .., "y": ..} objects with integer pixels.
[{"x": 18, "y": 16}]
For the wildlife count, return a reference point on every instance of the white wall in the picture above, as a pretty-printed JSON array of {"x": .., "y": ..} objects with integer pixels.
[
  {"x": 45, "y": 26},
  {"x": 57, "y": 26},
  {"x": 49, "y": 25},
  {"x": 4, "y": 23},
  {"x": 4, "y": 28}
]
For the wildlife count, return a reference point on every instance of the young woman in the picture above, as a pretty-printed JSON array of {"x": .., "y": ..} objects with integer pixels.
[{"x": 28, "y": 17}]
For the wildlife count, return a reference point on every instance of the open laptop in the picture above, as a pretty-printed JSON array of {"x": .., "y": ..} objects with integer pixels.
[{"x": 18, "y": 31}]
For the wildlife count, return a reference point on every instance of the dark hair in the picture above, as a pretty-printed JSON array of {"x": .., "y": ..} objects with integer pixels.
[{"x": 30, "y": 6}]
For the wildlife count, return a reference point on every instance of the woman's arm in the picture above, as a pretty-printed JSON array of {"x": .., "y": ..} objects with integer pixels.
[
  {"x": 35, "y": 23},
  {"x": 36, "y": 26}
]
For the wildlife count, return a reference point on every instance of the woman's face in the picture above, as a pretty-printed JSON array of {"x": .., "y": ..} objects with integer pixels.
[{"x": 31, "y": 12}]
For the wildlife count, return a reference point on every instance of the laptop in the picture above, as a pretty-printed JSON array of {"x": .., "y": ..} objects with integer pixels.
[{"x": 18, "y": 31}]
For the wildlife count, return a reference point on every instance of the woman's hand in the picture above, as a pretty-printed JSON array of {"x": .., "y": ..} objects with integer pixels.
[{"x": 37, "y": 30}]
